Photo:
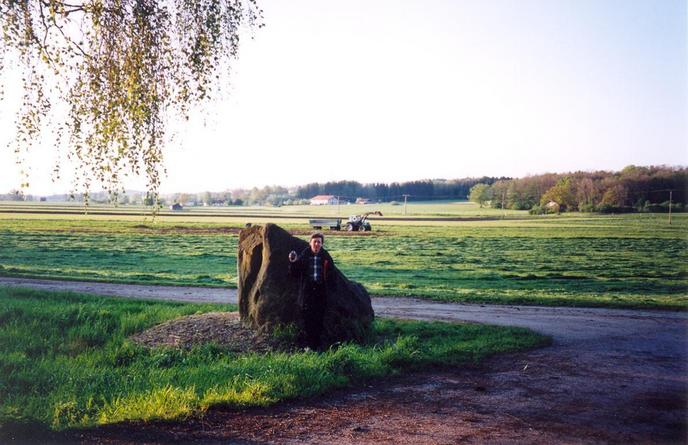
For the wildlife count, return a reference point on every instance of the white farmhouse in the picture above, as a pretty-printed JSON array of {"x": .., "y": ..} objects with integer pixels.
[{"x": 323, "y": 200}]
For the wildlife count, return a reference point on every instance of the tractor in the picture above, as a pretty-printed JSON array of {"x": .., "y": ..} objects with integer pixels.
[{"x": 359, "y": 223}]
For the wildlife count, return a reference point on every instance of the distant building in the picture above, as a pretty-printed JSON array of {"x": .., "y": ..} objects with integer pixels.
[
  {"x": 176, "y": 206},
  {"x": 362, "y": 201},
  {"x": 323, "y": 200},
  {"x": 552, "y": 206}
]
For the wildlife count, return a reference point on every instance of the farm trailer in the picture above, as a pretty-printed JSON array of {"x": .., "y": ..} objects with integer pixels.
[{"x": 332, "y": 224}]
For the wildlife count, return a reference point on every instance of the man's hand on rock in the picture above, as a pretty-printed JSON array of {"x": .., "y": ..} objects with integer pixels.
[{"x": 292, "y": 256}]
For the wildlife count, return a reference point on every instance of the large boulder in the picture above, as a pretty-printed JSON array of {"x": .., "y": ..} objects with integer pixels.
[{"x": 268, "y": 295}]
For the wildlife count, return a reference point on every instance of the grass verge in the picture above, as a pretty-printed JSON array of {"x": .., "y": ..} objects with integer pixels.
[{"x": 66, "y": 362}]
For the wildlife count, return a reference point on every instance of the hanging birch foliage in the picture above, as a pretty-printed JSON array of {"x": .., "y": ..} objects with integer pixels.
[{"x": 117, "y": 70}]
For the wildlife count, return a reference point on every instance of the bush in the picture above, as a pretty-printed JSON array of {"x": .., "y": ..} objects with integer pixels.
[
  {"x": 542, "y": 210},
  {"x": 536, "y": 210},
  {"x": 664, "y": 207},
  {"x": 521, "y": 205},
  {"x": 608, "y": 208},
  {"x": 586, "y": 208}
]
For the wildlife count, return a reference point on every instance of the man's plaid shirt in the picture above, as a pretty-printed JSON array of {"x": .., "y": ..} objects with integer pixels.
[{"x": 315, "y": 269}]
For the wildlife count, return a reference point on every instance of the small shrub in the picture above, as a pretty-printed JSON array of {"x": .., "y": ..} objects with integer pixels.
[
  {"x": 537, "y": 210},
  {"x": 608, "y": 208},
  {"x": 586, "y": 208}
]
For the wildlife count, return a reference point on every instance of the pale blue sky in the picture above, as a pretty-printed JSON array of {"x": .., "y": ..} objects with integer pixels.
[{"x": 388, "y": 90}]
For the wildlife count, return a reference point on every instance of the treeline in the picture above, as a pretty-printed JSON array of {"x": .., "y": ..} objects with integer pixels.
[
  {"x": 631, "y": 189},
  {"x": 346, "y": 191},
  {"x": 414, "y": 190}
]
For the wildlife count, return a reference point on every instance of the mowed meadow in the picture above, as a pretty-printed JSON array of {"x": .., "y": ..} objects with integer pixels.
[{"x": 475, "y": 255}]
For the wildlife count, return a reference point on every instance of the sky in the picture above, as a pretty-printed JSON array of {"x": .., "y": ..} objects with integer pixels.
[{"x": 398, "y": 90}]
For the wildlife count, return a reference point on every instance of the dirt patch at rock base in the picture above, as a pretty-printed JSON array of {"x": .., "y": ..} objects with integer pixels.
[{"x": 222, "y": 328}]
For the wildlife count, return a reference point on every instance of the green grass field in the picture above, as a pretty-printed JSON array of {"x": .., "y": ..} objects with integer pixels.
[
  {"x": 65, "y": 362},
  {"x": 636, "y": 260}
]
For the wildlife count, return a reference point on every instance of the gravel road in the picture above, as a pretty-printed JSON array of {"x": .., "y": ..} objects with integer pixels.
[{"x": 610, "y": 376}]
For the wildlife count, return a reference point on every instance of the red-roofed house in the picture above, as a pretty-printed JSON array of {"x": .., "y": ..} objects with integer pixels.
[{"x": 323, "y": 200}]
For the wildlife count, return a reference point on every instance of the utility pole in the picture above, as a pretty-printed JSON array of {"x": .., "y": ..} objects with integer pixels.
[
  {"x": 503, "y": 198},
  {"x": 337, "y": 205},
  {"x": 670, "y": 196},
  {"x": 405, "y": 197}
]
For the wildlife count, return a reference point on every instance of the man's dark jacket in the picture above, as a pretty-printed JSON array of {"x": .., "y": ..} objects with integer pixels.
[{"x": 299, "y": 269}]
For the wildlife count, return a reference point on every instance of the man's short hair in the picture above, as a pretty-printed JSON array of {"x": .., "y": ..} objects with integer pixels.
[{"x": 318, "y": 235}]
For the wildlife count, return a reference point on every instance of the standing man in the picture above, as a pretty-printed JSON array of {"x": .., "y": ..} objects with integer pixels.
[{"x": 314, "y": 269}]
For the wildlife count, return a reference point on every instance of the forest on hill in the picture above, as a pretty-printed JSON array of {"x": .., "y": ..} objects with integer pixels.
[{"x": 634, "y": 188}]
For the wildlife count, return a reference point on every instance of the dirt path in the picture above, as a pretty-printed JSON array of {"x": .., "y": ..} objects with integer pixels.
[{"x": 611, "y": 376}]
